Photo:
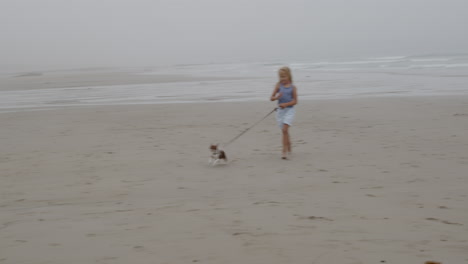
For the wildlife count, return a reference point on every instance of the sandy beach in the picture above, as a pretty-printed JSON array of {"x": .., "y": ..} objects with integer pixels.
[
  {"x": 370, "y": 181},
  {"x": 108, "y": 110}
]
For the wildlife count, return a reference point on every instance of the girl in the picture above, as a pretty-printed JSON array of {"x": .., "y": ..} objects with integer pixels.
[{"x": 286, "y": 94}]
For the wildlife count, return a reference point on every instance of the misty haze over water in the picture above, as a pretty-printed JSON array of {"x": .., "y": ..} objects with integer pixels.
[{"x": 61, "y": 34}]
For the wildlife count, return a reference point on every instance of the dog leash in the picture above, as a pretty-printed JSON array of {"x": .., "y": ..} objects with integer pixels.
[{"x": 243, "y": 132}]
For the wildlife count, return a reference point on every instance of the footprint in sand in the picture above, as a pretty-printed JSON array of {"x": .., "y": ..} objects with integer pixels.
[
  {"x": 123, "y": 210},
  {"x": 138, "y": 247},
  {"x": 415, "y": 180},
  {"x": 373, "y": 187},
  {"x": 241, "y": 233},
  {"x": 266, "y": 202},
  {"x": 443, "y": 221},
  {"x": 251, "y": 234},
  {"x": 320, "y": 218},
  {"x": 138, "y": 228},
  {"x": 105, "y": 259}
]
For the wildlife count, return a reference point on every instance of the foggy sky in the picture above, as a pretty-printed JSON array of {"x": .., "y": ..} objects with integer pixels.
[{"x": 82, "y": 33}]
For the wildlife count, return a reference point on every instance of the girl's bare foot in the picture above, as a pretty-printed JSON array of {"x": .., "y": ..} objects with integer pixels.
[{"x": 284, "y": 156}]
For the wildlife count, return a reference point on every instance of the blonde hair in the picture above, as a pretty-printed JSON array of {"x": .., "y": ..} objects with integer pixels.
[{"x": 286, "y": 71}]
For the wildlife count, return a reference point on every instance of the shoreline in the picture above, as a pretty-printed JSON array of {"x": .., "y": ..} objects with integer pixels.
[
  {"x": 59, "y": 80},
  {"x": 209, "y": 83},
  {"x": 227, "y": 101}
]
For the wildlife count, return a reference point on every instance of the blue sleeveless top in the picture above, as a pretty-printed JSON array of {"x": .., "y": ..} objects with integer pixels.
[{"x": 287, "y": 94}]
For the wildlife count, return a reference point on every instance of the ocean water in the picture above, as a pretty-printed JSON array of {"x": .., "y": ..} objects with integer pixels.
[{"x": 426, "y": 75}]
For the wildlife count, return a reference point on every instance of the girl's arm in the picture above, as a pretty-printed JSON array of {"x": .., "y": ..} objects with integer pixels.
[
  {"x": 294, "y": 100},
  {"x": 273, "y": 96}
]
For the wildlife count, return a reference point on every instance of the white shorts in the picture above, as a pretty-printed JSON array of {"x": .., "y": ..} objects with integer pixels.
[{"x": 285, "y": 116}]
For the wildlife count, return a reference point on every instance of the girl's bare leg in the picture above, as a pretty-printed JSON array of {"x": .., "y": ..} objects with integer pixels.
[{"x": 286, "y": 142}]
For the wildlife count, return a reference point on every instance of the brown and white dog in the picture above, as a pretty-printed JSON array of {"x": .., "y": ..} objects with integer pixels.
[{"x": 217, "y": 155}]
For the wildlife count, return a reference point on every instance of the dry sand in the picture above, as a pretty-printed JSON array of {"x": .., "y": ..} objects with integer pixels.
[{"x": 370, "y": 181}]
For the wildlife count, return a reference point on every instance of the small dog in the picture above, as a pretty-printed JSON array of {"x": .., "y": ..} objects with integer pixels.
[{"x": 216, "y": 155}]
